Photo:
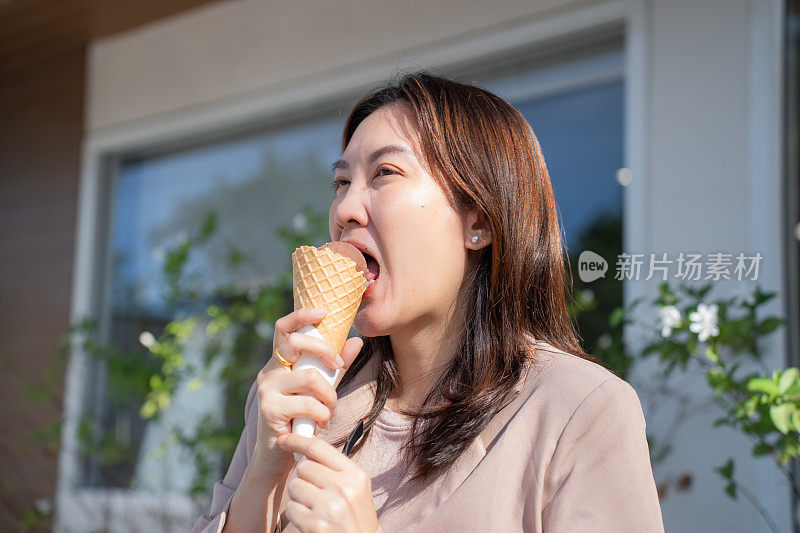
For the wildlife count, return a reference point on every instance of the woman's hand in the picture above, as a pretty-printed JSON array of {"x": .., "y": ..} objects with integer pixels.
[
  {"x": 331, "y": 493},
  {"x": 284, "y": 394}
]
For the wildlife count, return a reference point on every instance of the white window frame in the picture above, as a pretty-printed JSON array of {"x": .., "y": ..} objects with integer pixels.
[{"x": 85, "y": 509}]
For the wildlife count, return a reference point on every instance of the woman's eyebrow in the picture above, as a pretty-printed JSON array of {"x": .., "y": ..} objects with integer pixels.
[{"x": 391, "y": 149}]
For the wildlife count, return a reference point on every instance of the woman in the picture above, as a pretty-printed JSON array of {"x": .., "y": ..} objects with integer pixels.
[{"x": 481, "y": 411}]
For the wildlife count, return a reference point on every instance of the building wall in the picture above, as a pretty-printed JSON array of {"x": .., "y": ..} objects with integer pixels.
[
  {"x": 714, "y": 184},
  {"x": 703, "y": 137},
  {"x": 41, "y": 126},
  {"x": 226, "y": 50}
]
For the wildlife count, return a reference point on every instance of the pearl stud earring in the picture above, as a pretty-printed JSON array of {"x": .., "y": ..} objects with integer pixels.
[{"x": 475, "y": 239}]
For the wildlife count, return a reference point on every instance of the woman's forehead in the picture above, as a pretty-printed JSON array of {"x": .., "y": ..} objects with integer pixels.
[{"x": 393, "y": 123}]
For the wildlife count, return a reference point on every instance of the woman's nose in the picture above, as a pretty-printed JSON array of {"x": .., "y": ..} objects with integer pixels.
[{"x": 350, "y": 208}]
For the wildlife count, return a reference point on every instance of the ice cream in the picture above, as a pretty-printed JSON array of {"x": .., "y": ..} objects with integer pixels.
[{"x": 333, "y": 276}]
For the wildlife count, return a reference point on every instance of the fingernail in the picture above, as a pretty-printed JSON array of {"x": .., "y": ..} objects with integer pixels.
[{"x": 339, "y": 361}]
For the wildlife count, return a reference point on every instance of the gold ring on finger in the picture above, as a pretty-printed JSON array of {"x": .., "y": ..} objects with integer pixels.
[{"x": 280, "y": 358}]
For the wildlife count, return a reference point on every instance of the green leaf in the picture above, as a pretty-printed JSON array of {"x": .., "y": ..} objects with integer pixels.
[
  {"x": 616, "y": 317},
  {"x": 781, "y": 416},
  {"x": 155, "y": 381},
  {"x": 703, "y": 291},
  {"x": 793, "y": 393},
  {"x": 148, "y": 410},
  {"x": 768, "y": 325},
  {"x": 788, "y": 378},
  {"x": 666, "y": 296},
  {"x": 731, "y": 489},
  {"x": 712, "y": 354},
  {"x": 209, "y": 226},
  {"x": 764, "y": 385},
  {"x": 726, "y": 470},
  {"x": 762, "y": 449},
  {"x": 762, "y": 297}
]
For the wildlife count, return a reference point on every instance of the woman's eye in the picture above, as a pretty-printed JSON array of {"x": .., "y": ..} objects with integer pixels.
[{"x": 337, "y": 182}]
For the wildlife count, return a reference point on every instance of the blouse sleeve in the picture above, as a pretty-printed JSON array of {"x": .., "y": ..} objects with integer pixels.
[
  {"x": 600, "y": 478},
  {"x": 224, "y": 489}
]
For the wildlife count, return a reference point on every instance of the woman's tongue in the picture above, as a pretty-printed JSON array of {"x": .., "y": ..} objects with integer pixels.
[{"x": 373, "y": 268}]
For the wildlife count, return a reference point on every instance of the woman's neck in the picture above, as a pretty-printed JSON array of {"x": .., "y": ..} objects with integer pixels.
[{"x": 421, "y": 355}]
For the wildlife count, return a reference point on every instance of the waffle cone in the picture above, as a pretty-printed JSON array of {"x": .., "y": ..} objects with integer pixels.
[{"x": 323, "y": 278}]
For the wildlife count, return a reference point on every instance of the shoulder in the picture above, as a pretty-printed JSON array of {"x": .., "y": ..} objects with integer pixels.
[
  {"x": 567, "y": 383},
  {"x": 570, "y": 374},
  {"x": 590, "y": 447}
]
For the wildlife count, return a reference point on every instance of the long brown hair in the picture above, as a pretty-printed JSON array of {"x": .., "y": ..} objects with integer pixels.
[{"x": 515, "y": 288}]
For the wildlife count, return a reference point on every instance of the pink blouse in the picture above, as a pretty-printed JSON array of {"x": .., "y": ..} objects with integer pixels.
[{"x": 569, "y": 453}]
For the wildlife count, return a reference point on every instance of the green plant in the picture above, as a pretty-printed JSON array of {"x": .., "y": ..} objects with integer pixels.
[
  {"x": 236, "y": 325},
  {"x": 722, "y": 337},
  {"x": 244, "y": 316}
]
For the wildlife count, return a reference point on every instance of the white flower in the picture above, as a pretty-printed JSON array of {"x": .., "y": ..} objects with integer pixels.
[
  {"x": 669, "y": 317},
  {"x": 147, "y": 339},
  {"x": 588, "y": 295},
  {"x": 264, "y": 329},
  {"x": 704, "y": 321},
  {"x": 299, "y": 222}
]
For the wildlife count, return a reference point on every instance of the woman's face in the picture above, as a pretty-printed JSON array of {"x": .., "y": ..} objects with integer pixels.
[{"x": 388, "y": 205}]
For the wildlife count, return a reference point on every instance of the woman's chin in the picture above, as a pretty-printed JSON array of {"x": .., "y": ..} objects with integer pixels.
[{"x": 368, "y": 325}]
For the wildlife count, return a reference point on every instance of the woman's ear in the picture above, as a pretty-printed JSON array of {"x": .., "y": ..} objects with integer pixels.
[{"x": 476, "y": 230}]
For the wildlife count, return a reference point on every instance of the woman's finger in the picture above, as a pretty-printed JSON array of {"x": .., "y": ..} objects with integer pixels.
[
  {"x": 296, "y": 320},
  {"x": 309, "y": 380},
  {"x": 296, "y": 344},
  {"x": 315, "y": 449},
  {"x": 300, "y": 516},
  {"x": 350, "y": 351},
  {"x": 313, "y": 472},
  {"x": 304, "y": 492},
  {"x": 301, "y": 405}
]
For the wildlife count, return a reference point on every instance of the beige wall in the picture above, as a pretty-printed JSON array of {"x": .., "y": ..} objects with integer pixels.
[{"x": 229, "y": 49}]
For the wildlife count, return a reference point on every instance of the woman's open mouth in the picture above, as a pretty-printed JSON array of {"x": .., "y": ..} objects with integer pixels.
[{"x": 373, "y": 268}]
